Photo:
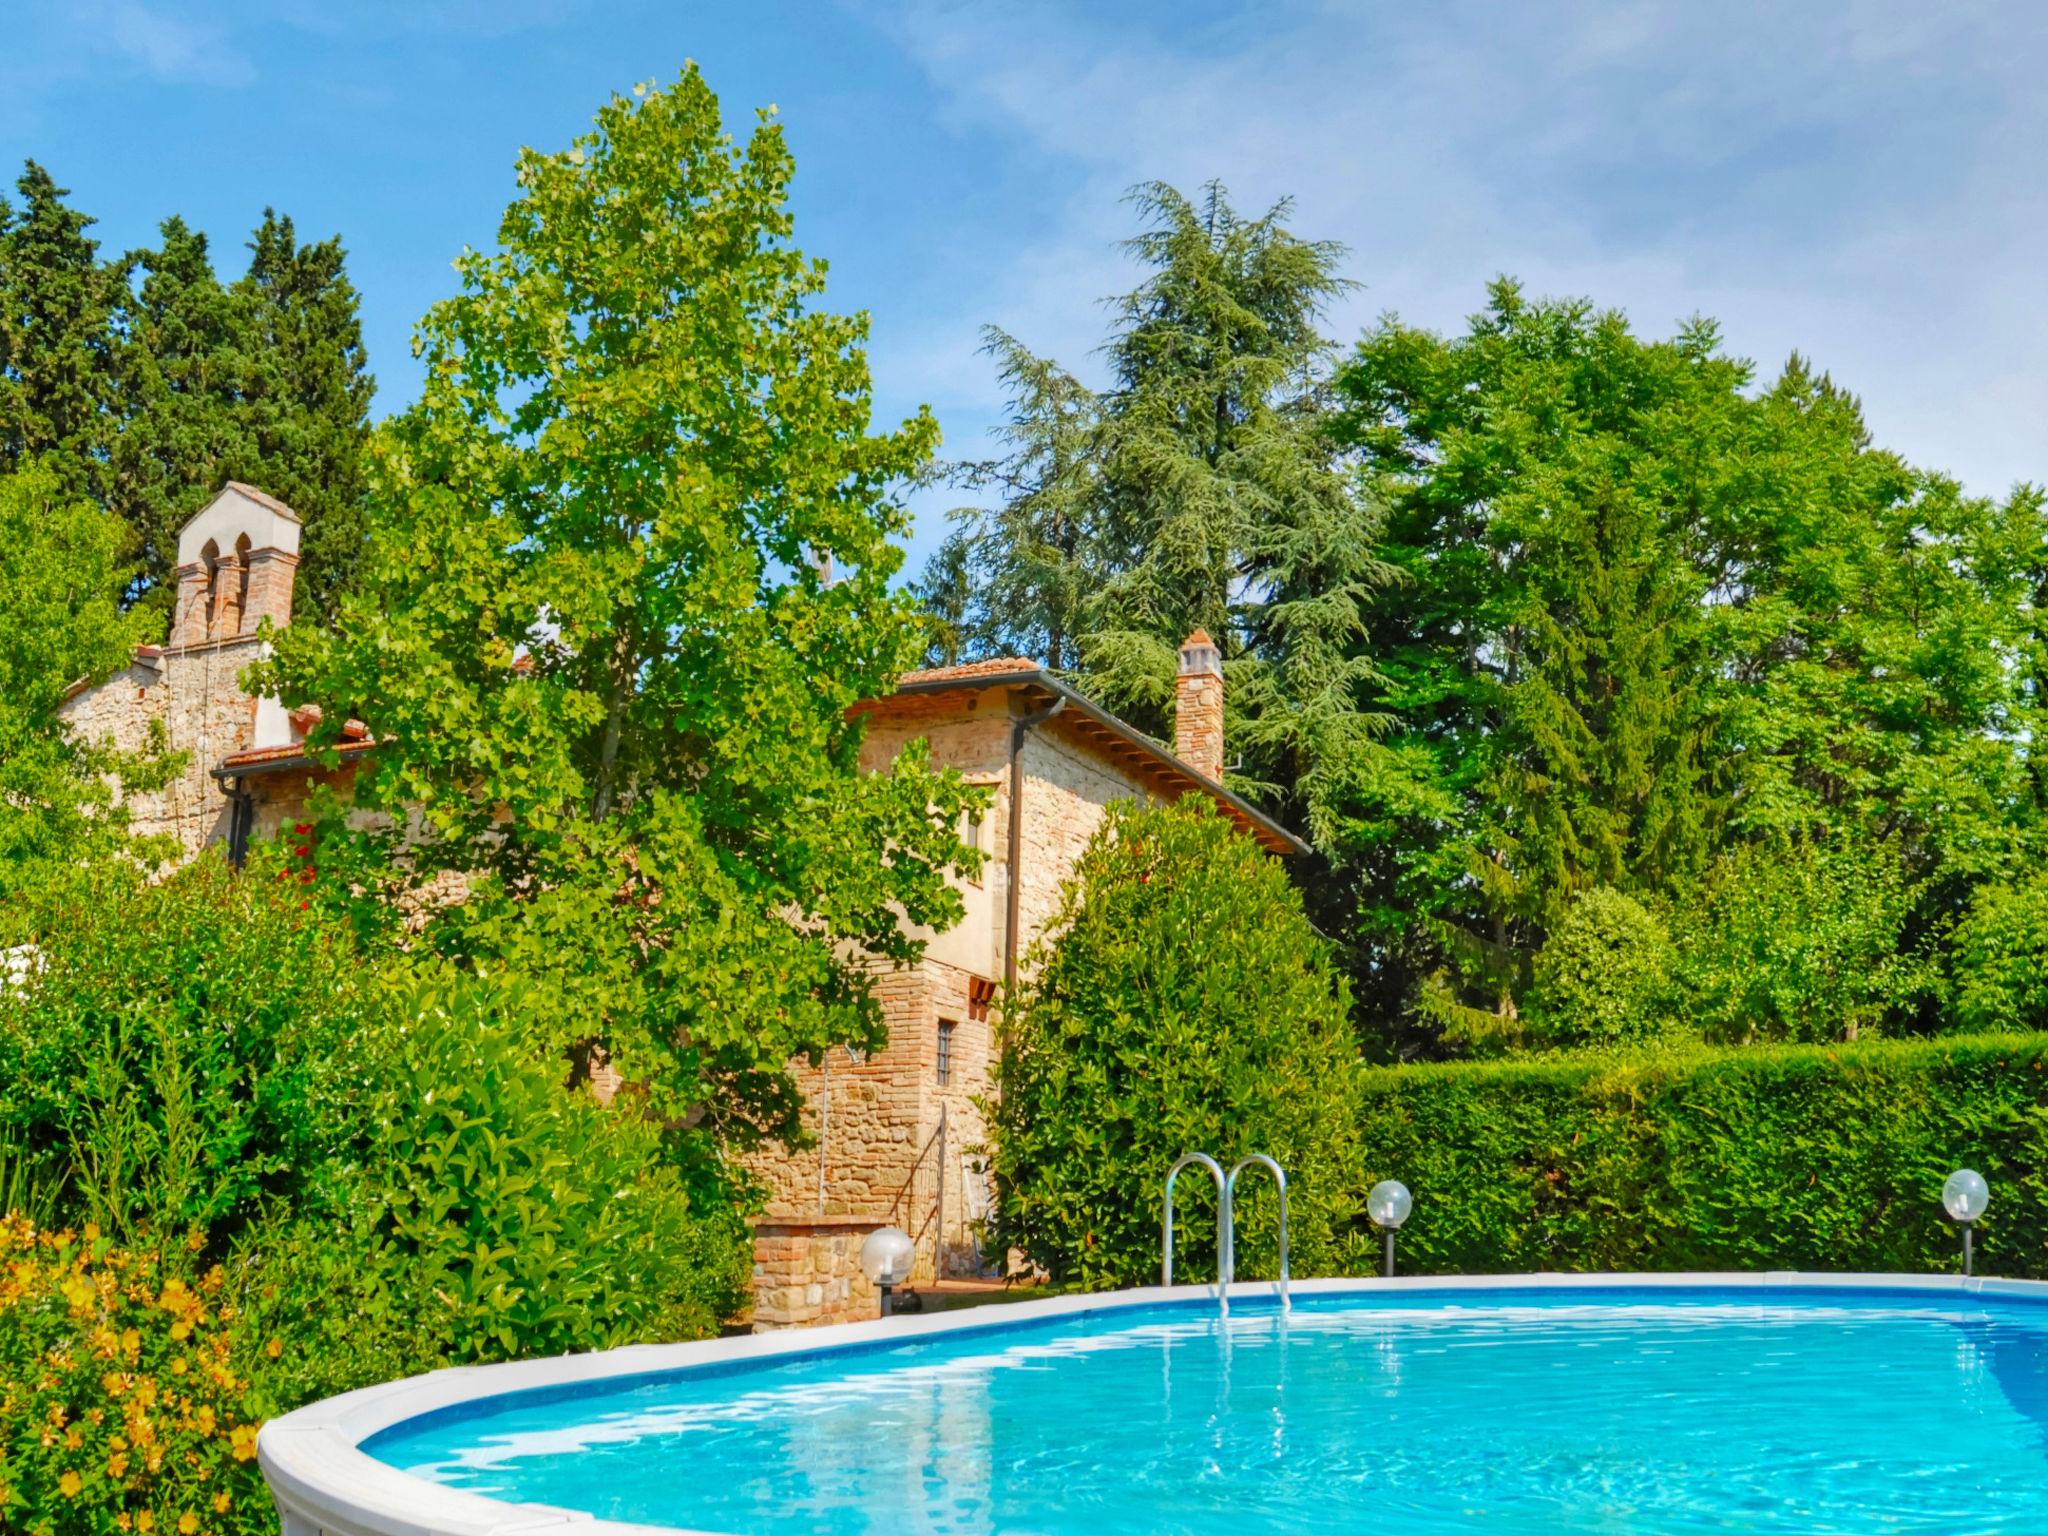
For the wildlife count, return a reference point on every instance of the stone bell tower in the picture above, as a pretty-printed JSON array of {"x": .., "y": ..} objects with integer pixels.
[{"x": 237, "y": 560}]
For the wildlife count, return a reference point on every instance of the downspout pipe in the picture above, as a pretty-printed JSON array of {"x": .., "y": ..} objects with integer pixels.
[
  {"x": 1020, "y": 727},
  {"x": 241, "y": 817}
]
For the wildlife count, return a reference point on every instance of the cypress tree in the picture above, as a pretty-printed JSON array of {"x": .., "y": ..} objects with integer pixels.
[
  {"x": 58, "y": 304},
  {"x": 182, "y": 433},
  {"x": 306, "y": 391}
]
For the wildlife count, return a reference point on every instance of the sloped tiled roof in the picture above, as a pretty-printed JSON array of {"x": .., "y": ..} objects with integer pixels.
[{"x": 1150, "y": 761}]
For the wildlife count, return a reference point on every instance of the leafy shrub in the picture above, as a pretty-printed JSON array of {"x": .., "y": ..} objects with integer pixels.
[
  {"x": 124, "y": 1399},
  {"x": 499, "y": 1214},
  {"x": 1999, "y": 959},
  {"x": 176, "y": 1057},
  {"x": 1186, "y": 1005},
  {"x": 1802, "y": 1157},
  {"x": 1602, "y": 975},
  {"x": 1799, "y": 941}
]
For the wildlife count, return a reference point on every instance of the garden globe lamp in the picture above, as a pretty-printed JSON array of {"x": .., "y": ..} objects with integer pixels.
[
  {"x": 887, "y": 1257},
  {"x": 1964, "y": 1197},
  {"x": 1388, "y": 1205}
]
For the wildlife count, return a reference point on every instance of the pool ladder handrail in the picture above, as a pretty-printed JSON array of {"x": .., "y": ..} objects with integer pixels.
[
  {"x": 1223, "y": 1229},
  {"x": 1230, "y": 1205},
  {"x": 1226, "y": 1220}
]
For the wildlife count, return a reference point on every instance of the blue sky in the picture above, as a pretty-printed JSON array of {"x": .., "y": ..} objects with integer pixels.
[{"x": 1861, "y": 180}]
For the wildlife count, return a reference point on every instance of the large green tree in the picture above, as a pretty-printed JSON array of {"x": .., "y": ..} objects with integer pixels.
[
  {"x": 57, "y": 336},
  {"x": 598, "y": 642},
  {"x": 1200, "y": 489},
  {"x": 181, "y": 363},
  {"x": 61, "y": 623},
  {"x": 1654, "y": 617},
  {"x": 146, "y": 381},
  {"x": 305, "y": 398}
]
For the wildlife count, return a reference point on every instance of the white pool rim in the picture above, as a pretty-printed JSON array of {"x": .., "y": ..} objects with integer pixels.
[{"x": 326, "y": 1485}]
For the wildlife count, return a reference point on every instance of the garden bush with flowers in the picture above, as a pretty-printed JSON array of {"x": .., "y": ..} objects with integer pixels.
[
  {"x": 128, "y": 1399},
  {"x": 272, "y": 1156}
]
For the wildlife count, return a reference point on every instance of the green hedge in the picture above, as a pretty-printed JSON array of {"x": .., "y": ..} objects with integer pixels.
[{"x": 1801, "y": 1157}]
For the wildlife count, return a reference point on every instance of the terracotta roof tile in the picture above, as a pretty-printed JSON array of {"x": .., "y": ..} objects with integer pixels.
[
  {"x": 255, "y": 755},
  {"x": 1000, "y": 666}
]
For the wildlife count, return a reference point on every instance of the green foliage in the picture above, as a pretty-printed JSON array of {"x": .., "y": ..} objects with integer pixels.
[
  {"x": 178, "y": 1056},
  {"x": 1604, "y": 975},
  {"x": 304, "y": 406},
  {"x": 129, "y": 1404},
  {"x": 1202, "y": 490},
  {"x": 2000, "y": 972},
  {"x": 597, "y": 638},
  {"x": 1185, "y": 1006},
  {"x": 1800, "y": 941},
  {"x": 147, "y": 394},
  {"x": 261, "y": 381},
  {"x": 1794, "y": 1157},
  {"x": 57, "y": 337},
  {"x": 496, "y": 1214},
  {"x": 60, "y": 624},
  {"x": 1653, "y": 616}
]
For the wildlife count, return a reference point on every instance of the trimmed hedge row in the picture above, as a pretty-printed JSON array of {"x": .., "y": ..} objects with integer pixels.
[{"x": 1802, "y": 1157}]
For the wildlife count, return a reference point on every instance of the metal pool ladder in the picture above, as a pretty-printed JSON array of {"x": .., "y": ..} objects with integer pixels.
[{"x": 1226, "y": 1221}]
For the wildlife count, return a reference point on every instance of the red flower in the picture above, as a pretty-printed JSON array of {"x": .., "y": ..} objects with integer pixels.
[
  {"x": 302, "y": 850},
  {"x": 302, "y": 827}
]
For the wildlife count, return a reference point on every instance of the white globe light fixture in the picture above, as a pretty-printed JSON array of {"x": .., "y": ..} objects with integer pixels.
[
  {"x": 1964, "y": 1197},
  {"x": 1388, "y": 1205},
  {"x": 887, "y": 1258}
]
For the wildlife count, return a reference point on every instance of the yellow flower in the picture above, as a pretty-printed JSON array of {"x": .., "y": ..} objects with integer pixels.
[
  {"x": 274, "y": 1348},
  {"x": 243, "y": 1439},
  {"x": 69, "y": 1484},
  {"x": 221, "y": 1501},
  {"x": 145, "y": 1521},
  {"x": 187, "y": 1523}
]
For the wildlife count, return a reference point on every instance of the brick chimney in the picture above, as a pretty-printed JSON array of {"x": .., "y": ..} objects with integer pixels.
[
  {"x": 1198, "y": 706},
  {"x": 237, "y": 559}
]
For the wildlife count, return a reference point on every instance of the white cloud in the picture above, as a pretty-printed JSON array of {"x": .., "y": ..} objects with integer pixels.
[
  {"x": 170, "y": 47},
  {"x": 1862, "y": 185}
]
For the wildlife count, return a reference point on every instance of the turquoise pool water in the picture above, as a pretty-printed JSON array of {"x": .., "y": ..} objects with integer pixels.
[{"x": 1634, "y": 1412}]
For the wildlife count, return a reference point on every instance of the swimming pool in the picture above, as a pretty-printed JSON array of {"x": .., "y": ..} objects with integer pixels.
[{"x": 1647, "y": 1405}]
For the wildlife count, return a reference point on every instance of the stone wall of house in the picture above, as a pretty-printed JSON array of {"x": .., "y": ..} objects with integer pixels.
[
  {"x": 195, "y": 694},
  {"x": 893, "y": 1145}
]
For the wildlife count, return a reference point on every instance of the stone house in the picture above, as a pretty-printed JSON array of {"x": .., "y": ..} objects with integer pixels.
[{"x": 895, "y": 1131}]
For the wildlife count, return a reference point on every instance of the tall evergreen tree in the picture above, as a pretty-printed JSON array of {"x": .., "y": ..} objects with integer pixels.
[
  {"x": 145, "y": 395},
  {"x": 181, "y": 365},
  {"x": 306, "y": 390},
  {"x": 1200, "y": 490},
  {"x": 1018, "y": 578},
  {"x": 58, "y": 301}
]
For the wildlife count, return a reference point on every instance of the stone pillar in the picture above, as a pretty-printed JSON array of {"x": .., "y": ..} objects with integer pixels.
[
  {"x": 189, "y": 620},
  {"x": 227, "y": 597},
  {"x": 1198, "y": 706},
  {"x": 272, "y": 572}
]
